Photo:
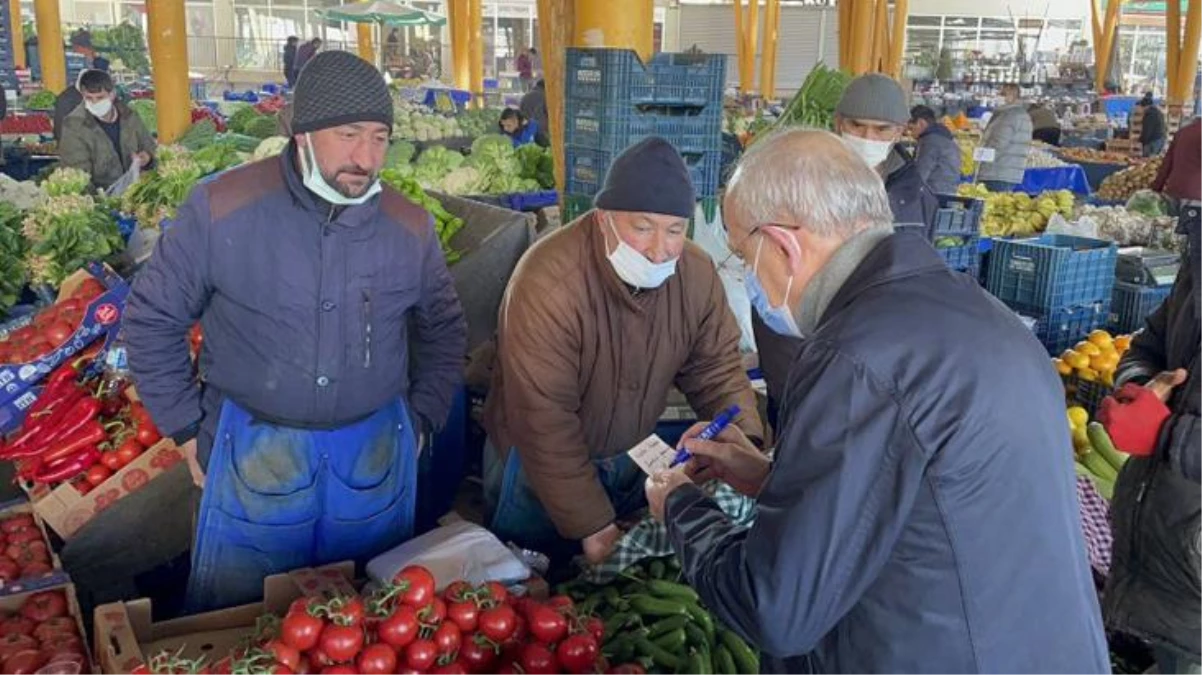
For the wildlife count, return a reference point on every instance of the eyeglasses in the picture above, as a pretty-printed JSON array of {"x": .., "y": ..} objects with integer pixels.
[{"x": 758, "y": 229}]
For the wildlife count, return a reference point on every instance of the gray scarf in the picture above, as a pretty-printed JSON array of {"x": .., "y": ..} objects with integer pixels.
[{"x": 827, "y": 282}]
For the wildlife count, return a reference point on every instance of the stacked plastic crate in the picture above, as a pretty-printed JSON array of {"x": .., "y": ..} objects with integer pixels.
[
  {"x": 1143, "y": 279},
  {"x": 614, "y": 100},
  {"x": 1063, "y": 282}
]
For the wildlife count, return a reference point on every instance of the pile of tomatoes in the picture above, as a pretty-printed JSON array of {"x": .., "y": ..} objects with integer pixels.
[
  {"x": 51, "y": 327},
  {"x": 24, "y": 549},
  {"x": 42, "y": 632},
  {"x": 406, "y": 627}
]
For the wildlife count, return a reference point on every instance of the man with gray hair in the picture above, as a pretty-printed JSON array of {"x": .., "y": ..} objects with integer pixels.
[{"x": 913, "y": 483}]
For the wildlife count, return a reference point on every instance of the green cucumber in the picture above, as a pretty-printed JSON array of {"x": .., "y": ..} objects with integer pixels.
[
  {"x": 696, "y": 636},
  {"x": 657, "y": 654},
  {"x": 649, "y": 606},
  {"x": 672, "y": 591},
  {"x": 747, "y": 661},
  {"x": 723, "y": 662},
  {"x": 673, "y": 641},
  {"x": 1100, "y": 440},
  {"x": 702, "y": 618},
  {"x": 667, "y": 625}
]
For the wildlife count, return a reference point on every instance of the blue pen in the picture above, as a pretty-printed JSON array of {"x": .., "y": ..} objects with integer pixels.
[{"x": 709, "y": 433}]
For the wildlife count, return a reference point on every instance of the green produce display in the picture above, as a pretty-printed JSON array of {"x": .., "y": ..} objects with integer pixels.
[
  {"x": 538, "y": 164},
  {"x": 445, "y": 224},
  {"x": 814, "y": 104},
  {"x": 201, "y": 134},
  {"x": 660, "y": 623},
  {"x": 157, "y": 195},
  {"x": 13, "y": 249},
  {"x": 146, "y": 110},
  {"x": 124, "y": 42},
  {"x": 242, "y": 117},
  {"x": 479, "y": 121},
  {"x": 68, "y": 230},
  {"x": 216, "y": 156},
  {"x": 263, "y": 126},
  {"x": 42, "y": 100}
]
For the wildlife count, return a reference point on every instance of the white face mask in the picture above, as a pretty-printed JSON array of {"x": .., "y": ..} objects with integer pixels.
[
  {"x": 100, "y": 108},
  {"x": 872, "y": 152},
  {"x": 634, "y": 268},
  {"x": 311, "y": 173}
]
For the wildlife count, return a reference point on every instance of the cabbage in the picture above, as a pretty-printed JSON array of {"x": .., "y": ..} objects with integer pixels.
[
  {"x": 270, "y": 147},
  {"x": 1146, "y": 203}
]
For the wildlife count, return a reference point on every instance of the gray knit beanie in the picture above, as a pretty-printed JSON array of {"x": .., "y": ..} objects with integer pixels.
[
  {"x": 874, "y": 97},
  {"x": 337, "y": 88},
  {"x": 648, "y": 177}
]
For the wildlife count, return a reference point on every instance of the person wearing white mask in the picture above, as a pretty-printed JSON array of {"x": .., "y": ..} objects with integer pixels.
[
  {"x": 599, "y": 322},
  {"x": 334, "y": 342},
  {"x": 911, "y": 485},
  {"x": 103, "y": 136}
]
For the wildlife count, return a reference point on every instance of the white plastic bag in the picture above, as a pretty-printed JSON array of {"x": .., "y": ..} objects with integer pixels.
[
  {"x": 1082, "y": 227},
  {"x": 711, "y": 237},
  {"x": 126, "y": 181},
  {"x": 459, "y": 550}
]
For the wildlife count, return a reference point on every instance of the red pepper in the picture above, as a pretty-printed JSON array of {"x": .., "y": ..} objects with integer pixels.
[
  {"x": 90, "y": 433},
  {"x": 70, "y": 468},
  {"x": 38, "y": 433}
]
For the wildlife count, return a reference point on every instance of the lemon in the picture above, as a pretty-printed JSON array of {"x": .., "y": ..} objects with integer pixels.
[
  {"x": 1077, "y": 416},
  {"x": 1076, "y": 360},
  {"x": 1087, "y": 374},
  {"x": 1100, "y": 338},
  {"x": 1087, "y": 348},
  {"x": 1080, "y": 438},
  {"x": 1062, "y": 367}
]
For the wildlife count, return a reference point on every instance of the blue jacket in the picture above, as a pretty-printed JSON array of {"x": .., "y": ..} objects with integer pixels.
[
  {"x": 921, "y": 512},
  {"x": 313, "y": 317},
  {"x": 938, "y": 159}
]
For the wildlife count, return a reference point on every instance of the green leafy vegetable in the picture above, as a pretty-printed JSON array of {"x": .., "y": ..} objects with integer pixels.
[
  {"x": 147, "y": 111},
  {"x": 445, "y": 224},
  {"x": 814, "y": 104},
  {"x": 42, "y": 100},
  {"x": 241, "y": 118},
  {"x": 65, "y": 233},
  {"x": 201, "y": 134},
  {"x": 262, "y": 126}
]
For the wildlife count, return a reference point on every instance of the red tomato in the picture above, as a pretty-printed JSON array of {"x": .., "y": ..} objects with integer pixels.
[
  {"x": 16, "y": 624},
  {"x": 339, "y": 669},
  {"x": 284, "y": 653},
  {"x": 519, "y": 629},
  {"x": 15, "y": 642},
  {"x": 561, "y": 603},
  {"x": 148, "y": 434},
  {"x": 129, "y": 451},
  {"x": 417, "y": 584},
  {"x": 24, "y": 662},
  {"x": 15, "y": 523},
  {"x": 494, "y": 591},
  {"x": 318, "y": 658},
  {"x": 9, "y": 570},
  {"x": 464, "y": 614},
  {"x": 477, "y": 654},
  {"x": 377, "y": 659},
  {"x": 44, "y": 605},
  {"x": 399, "y": 629},
  {"x": 36, "y": 569},
  {"x": 457, "y": 591},
  {"x": 348, "y": 609},
  {"x": 111, "y": 461},
  {"x": 627, "y": 669},
  {"x": 497, "y": 624},
  {"x": 305, "y": 666},
  {"x": 595, "y": 627},
  {"x": 98, "y": 474},
  {"x": 546, "y": 625},
  {"x": 341, "y": 643},
  {"x": 536, "y": 659},
  {"x": 57, "y": 626},
  {"x": 89, "y": 290},
  {"x": 63, "y": 643},
  {"x": 24, "y": 535},
  {"x": 453, "y": 668},
  {"x": 58, "y": 332},
  {"x": 578, "y": 653},
  {"x": 301, "y": 605},
  {"x": 421, "y": 654},
  {"x": 447, "y": 638},
  {"x": 301, "y": 630},
  {"x": 433, "y": 613}
]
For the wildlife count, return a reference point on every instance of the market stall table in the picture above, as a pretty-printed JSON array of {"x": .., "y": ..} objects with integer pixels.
[
  {"x": 1071, "y": 177},
  {"x": 1096, "y": 173}
]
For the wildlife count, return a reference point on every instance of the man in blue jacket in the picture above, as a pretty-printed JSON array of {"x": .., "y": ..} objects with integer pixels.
[
  {"x": 334, "y": 340},
  {"x": 920, "y": 512}
]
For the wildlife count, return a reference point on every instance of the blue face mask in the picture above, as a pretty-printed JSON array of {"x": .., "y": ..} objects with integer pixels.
[{"x": 779, "y": 319}]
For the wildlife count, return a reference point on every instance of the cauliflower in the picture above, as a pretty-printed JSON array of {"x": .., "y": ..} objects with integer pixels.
[{"x": 269, "y": 147}]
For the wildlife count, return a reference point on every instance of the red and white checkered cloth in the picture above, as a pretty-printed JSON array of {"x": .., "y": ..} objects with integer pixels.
[{"x": 1095, "y": 524}]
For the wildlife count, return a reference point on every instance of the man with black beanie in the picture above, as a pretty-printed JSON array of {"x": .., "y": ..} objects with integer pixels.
[
  {"x": 334, "y": 341},
  {"x": 599, "y": 322}
]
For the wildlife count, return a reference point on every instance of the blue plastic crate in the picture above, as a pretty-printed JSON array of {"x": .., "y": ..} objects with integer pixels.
[
  {"x": 1052, "y": 271},
  {"x": 958, "y": 216},
  {"x": 965, "y": 258},
  {"x": 531, "y": 201},
  {"x": 604, "y": 126},
  {"x": 1131, "y": 304},
  {"x": 1062, "y": 328},
  {"x": 619, "y": 76},
  {"x": 586, "y": 169}
]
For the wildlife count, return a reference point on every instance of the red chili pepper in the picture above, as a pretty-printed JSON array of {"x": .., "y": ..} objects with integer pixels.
[
  {"x": 90, "y": 433},
  {"x": 44, "y": 430},
  {"x": 74, "y": 466}
]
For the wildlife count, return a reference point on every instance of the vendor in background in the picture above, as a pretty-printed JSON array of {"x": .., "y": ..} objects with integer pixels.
[
  {"x": 870, "y": 118},
  {"x": 534, "y": 106},
  {"x": 599, "y": 322},
  {"x": 1152, "y": 133},
  {"x": 900, "y": 515},
  {"x": 333, "y": 343},
  {"x": 937, "y": 155},
  {"x": 1044, "y": 124},
  {"x": 521, "y": 129},
  {"x": 103, "y": 136},
  {"x": 1009, "y": 135},
  {"x": 1152, "y": 588}
]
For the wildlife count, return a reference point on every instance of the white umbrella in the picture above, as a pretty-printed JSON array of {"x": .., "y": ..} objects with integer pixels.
[{"x": 382, "y": 12}]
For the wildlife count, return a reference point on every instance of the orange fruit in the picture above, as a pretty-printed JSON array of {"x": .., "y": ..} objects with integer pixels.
[
  {"x": 1122, "y": 343},
  {"x": 1062, "y": 367},
  {"x": 1100, "y": 338},
  {"x": 1076, "y": 359},
  {"x": 1087, "y": 374},
  {"x": 1087, "y": 348}
]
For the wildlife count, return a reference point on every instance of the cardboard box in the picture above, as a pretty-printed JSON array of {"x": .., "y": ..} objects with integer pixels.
[
  {"x": 12, "y": 602},
  {"x": 127, "y": 635},
  {"x": 17, "y": 507},
  {"x": 66, "y": 510}
]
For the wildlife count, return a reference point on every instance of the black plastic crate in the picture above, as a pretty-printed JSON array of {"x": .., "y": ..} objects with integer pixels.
[
  {"x": 1146, "y": 266},
  {"x": 1062, "y": 328},
  {"x": 958, "y": 216},
  {"x": 619, "y": 76},
  {"x": 963, "y": 258},
  {"x": 1131, "y": 304},
  {"x": 1086, "y": 394},
  {"x": 1050, "y": 272}
]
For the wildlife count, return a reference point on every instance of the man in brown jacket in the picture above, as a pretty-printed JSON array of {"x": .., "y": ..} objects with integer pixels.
[
  {"x": 104, "y": 136},
  {"x": 599, "y": 322}
]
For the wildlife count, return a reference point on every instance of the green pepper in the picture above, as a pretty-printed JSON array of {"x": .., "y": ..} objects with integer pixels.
[
  {"x": 667, "y": 625},
  {"x": 746, "y": 660},
  {"x": 673, "y": 641},
  {"x": 697, "y": 637},
  {"x": 657, "y": 654},
  {"x": 649, "y": 606},
  {"x": 702, "y": 618},
  {"x": 723, "y": 662},
  {"x": 672, "y": 590}
]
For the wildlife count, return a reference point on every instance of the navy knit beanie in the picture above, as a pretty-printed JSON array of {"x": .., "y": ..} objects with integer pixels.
[
  {"x": 648, "y": 177},
  {"x": 337, "y": 88}
]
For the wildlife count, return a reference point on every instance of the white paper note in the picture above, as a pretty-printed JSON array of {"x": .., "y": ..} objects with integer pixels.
[{"x": 653, "y": 455}]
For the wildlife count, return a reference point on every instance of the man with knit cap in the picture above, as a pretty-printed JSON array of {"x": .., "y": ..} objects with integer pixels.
[
  {"x": 600, "y": 320},
  {"x": 334, "y": 341}
]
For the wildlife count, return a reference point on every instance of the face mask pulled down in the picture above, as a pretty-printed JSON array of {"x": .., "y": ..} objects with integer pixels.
[
  {"x": 780, "y": 319},
  {"x": 317, "y": 184},
  {"x": 874, "y": 153},
  {"x": 634, "y": 268},
  {"x": 99, "y": 109}
]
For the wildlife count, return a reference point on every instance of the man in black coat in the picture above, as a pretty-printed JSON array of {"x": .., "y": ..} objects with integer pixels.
[
  {"x": 290, "y": 60},
  {"x": 1152, "y": 134}
]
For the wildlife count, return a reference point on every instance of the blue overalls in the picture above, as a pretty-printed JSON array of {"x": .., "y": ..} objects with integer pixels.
[{"x": 279, "y": 498}]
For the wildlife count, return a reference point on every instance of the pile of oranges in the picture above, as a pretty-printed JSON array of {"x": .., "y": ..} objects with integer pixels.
[{"x": 1095, "y": 358}]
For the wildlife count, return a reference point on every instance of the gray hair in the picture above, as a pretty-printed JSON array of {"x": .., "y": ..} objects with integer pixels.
[{"x": 808, "y": 178}]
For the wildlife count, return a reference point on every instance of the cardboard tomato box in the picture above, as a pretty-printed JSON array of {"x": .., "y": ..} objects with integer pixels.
[
  {"x": 11, "y": 604},
  {"x": 101, "y": 318},
  {"x": 128, "y": 636},
  {"x": 18, "y": 507},
  {"x": 65, "y": 509}
]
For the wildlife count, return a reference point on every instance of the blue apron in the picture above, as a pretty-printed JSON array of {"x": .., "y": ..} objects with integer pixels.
[{"x": 279, "y": 498}]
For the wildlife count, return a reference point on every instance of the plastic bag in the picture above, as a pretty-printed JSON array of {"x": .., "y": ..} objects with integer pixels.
[
  {"x": 1082, "y": 227},
  {"x": 459, "y": 550},
  {"x": 1146, "y": 203},
  {"x": 126, "y": 181}
]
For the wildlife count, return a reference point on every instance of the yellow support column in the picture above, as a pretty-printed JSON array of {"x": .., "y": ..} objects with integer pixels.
[
  {"x": 1187, "y": 65},
  {"x": 880, "y": 37},
  {"x": 367, "y": 48},
  {"x": 844, "y": 7},
  {"x": 556, "y": 29},
  {"x": 740, "y": 47},
  {"x": 897, "y": 45},
  {"x": 476, "y": 40},
  {"x": 17, "y": 29},
  {"x": 753, "y": 40},
  {"x": 768, "y": 59},
  {"x": 1172, "y": 35},
  {"x": 50, "y": 45},
  {"x": 458, "y": 13},
  {"x": 1110, "y": 31},
  {"x": 167, "y": 22},
  {"x": 621, "y": 24},
  {"x": 860, "y": 50}
]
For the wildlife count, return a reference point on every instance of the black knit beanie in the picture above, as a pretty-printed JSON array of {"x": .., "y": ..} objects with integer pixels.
[
  {"x": 648, "y": 177},
  {"x": 337, "y": 88}
]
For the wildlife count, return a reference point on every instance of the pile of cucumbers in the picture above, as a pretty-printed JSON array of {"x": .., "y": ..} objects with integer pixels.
[{"x": 652, "y": 618}]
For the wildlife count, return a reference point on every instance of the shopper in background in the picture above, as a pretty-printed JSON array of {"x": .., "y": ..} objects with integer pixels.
[
  {"x": 306, "y": 52},
  {"x": 1009, "y": 135},
  {"x": 937, "y": 155},
  {"x": 290, "y": 60},
  {"x": 870, "y": 118},
  {"x": 534, "y": 106},
  {"x": 525, "y": 68},
  {"x": 1044, "y": 124},
  {"x": 1152, "y": 134},
  {"x": 899, "y": 519},
  {"x": 599, "y": 322},
  {"x": 103, "y": 136},
  {"x": 1153, "y": 587},
  {"x": 516, "y": 126},
  {"x": 333, "y": 343}
]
